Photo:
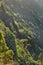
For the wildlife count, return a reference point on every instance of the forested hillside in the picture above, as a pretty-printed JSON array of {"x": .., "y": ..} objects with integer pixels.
[{"x": 21, "y": 32}]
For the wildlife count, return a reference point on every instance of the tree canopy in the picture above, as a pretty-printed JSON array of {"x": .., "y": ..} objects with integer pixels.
[{"x": 5, "y": 54}]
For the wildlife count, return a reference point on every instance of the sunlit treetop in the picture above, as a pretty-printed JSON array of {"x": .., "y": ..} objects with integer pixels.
[{"x": 1, "y": 35}]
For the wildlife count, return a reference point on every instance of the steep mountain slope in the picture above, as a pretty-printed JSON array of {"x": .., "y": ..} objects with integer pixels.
[
  {"x": 30, "y": 12},
  {"x": 22, "y": 26}
]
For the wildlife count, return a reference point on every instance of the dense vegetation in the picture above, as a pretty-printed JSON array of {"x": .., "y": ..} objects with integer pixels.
[
  {"x": 20, "y": 36},
  {"x": 5, "y": 54}
]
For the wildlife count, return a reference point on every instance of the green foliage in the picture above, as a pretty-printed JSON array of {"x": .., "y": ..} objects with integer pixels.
[
  {"x": 24, "y": 56},
  {"x": 7, "y": 64},
  {"x": 5, "y": 53},
  {"x": 9, "y": 55},
  {"x": 23, "y": 31},
  {"x": 41, "y": 58}
]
